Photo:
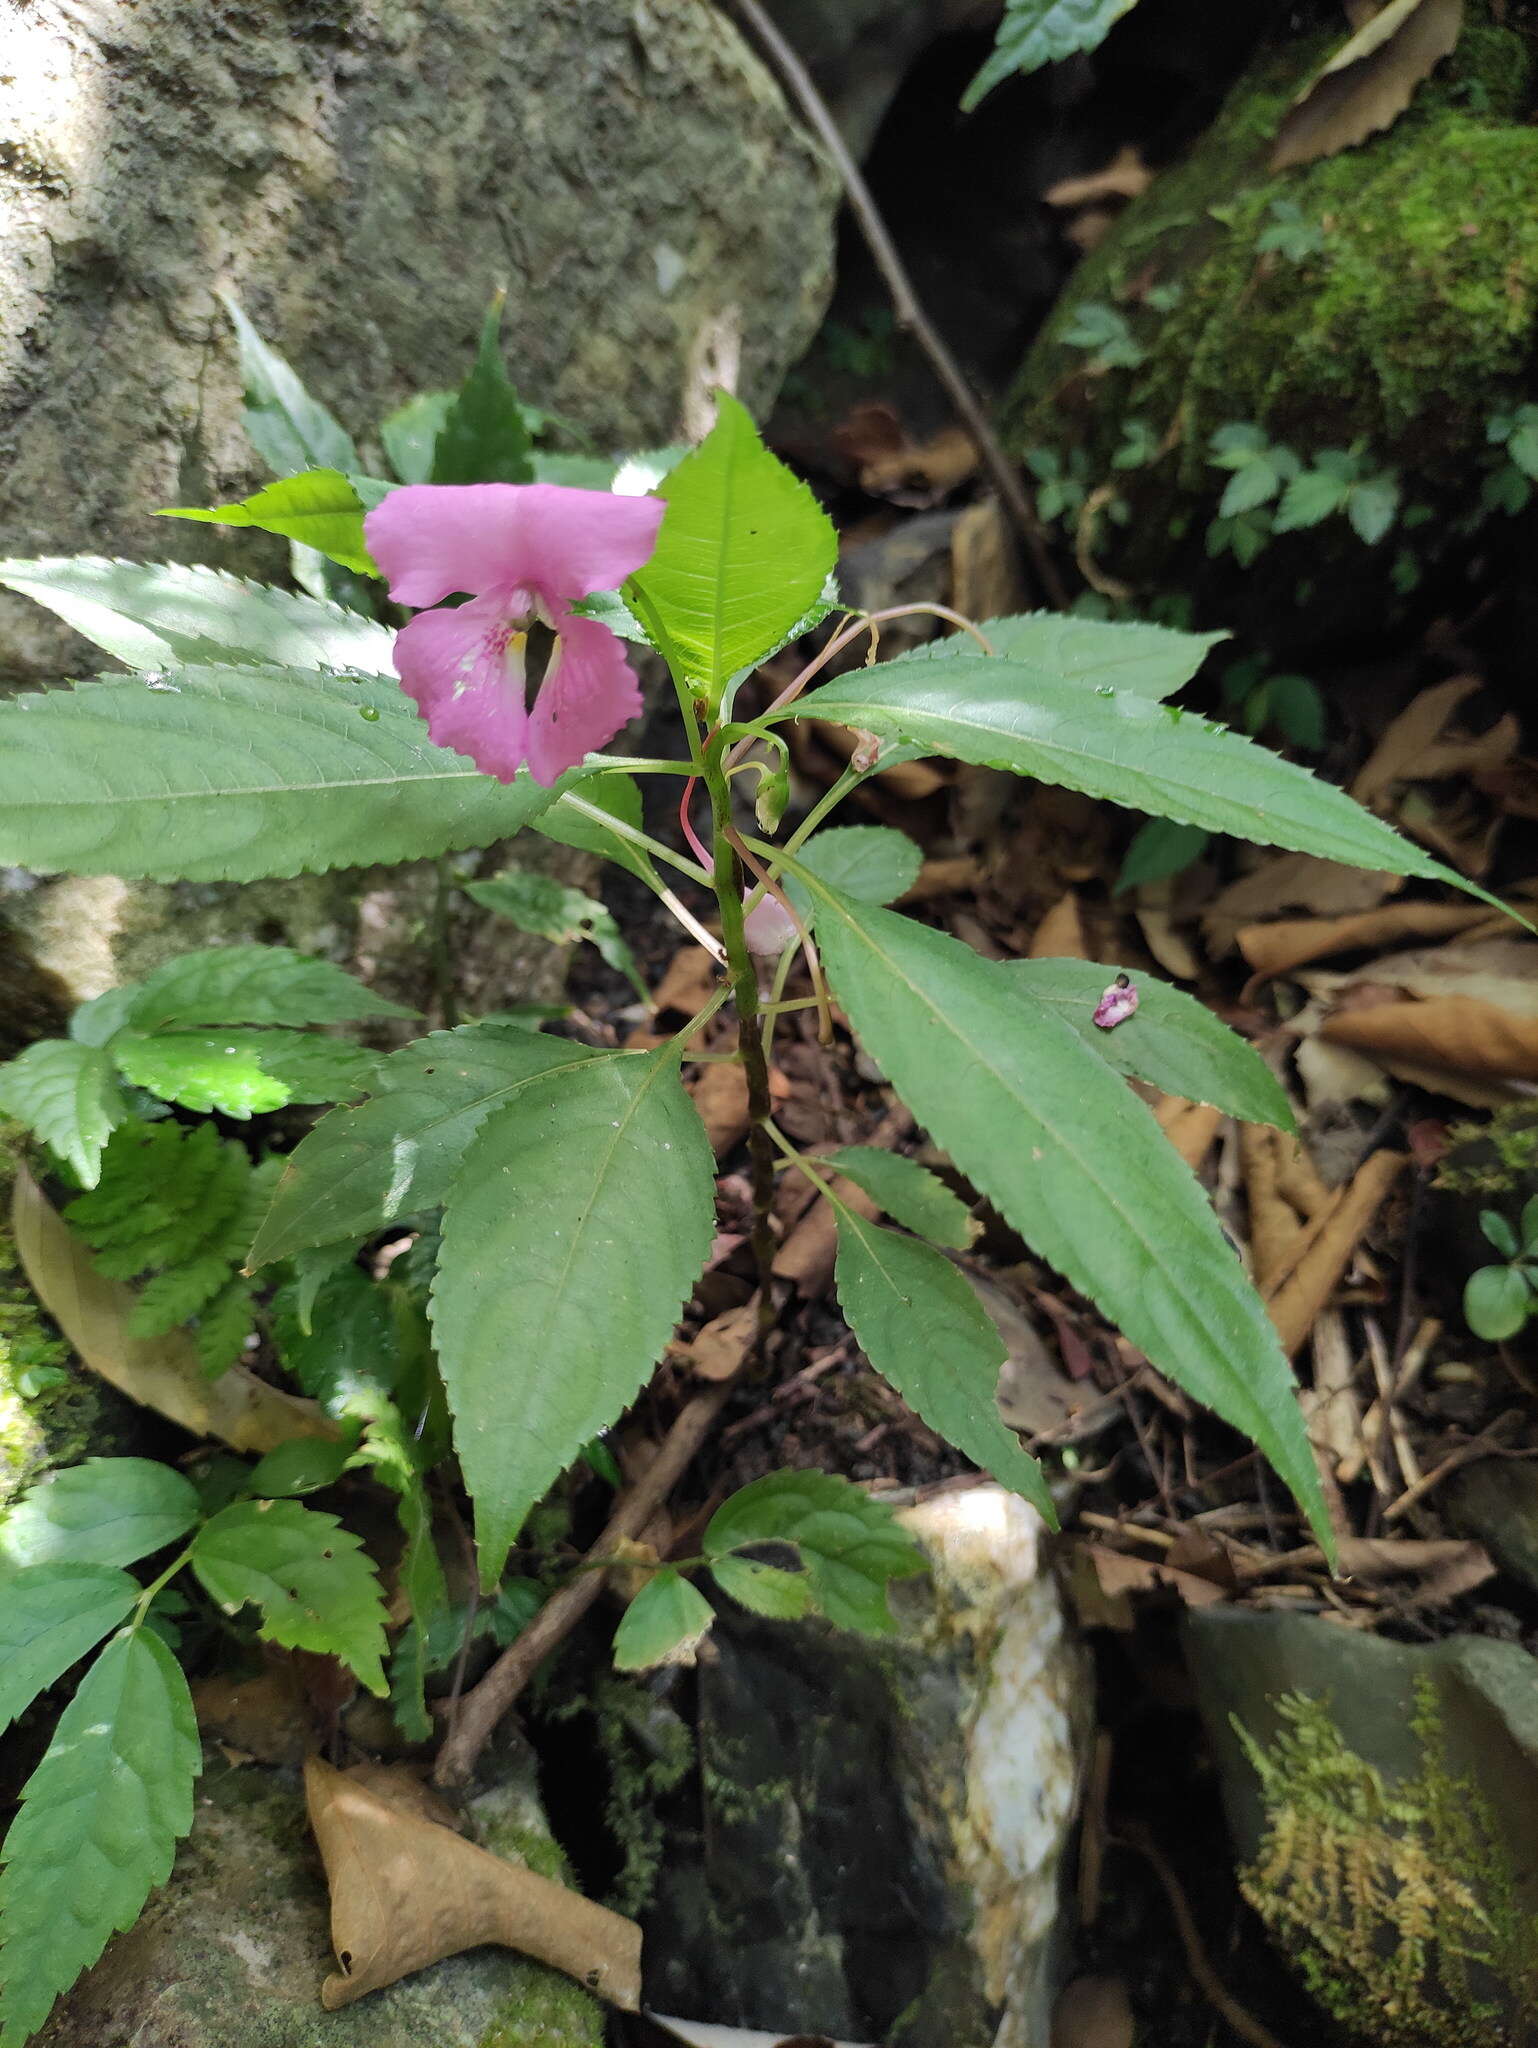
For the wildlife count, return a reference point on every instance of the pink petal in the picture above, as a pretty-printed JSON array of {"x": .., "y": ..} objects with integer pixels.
[
  {"x": 588, "y": 693},
  {"x": 433, "y": 539},
  {"x": 768, "y": 927},
  {"x": 456, "y": 667},
  {"x": 1116, "y": 1005}
]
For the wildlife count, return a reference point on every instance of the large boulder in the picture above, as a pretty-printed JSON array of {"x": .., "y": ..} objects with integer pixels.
[{"x": 362, "y": 174}]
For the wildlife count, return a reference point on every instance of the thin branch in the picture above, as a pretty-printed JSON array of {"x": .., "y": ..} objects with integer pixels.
[
  {"x": 909, "y": 312},
  {"x": 1209, "y": 1982}
]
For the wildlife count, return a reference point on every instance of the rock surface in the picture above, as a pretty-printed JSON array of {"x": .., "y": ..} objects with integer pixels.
[
  {"x": 362, "y": 173},
  {"x": 878, "y": 1854},
  {"x": 1383, "y": 1798},
  {"x": 234, "y": 1948}
]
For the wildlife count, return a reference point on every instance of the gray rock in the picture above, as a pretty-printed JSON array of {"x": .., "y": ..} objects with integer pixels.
[
  {"x": 362, "y": 173},
  {"x": 1496, "y": 1502},
  {"x": 877, "y": 1854},
  {"x": 235, "y": 1946},
  {"x": 1383, "y": 1798}
]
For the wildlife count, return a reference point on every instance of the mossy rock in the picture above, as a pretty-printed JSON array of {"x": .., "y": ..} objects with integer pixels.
[{"x": 1406, "y": 322}]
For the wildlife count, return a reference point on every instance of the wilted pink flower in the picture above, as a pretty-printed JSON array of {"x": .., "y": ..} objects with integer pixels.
[
  {"x": 1117, "y": 1004},
  {"x": 523, "y": 552},
  {"x": 768, "y": 926}
]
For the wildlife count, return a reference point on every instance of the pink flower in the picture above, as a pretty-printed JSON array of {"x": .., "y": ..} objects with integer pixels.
[
  {"x": 1116, "y": 1005},
  {"x": 768, "y": 926},
  {"x": 523, "y": 552}
]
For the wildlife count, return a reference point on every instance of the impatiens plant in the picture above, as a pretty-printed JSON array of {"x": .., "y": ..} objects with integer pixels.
[{"x": 567, "y": 1191}]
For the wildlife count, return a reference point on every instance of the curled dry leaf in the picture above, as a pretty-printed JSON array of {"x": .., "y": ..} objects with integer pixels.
[
  {"x": 718, "y": 1350},
  {"x": 1434, "y": 1015},
  {"x": 890, "y": 465},
  {"x": 1060, "y": 935},
  {"x": 1423, "y": 745},
  {"x": 1295, "y": 941},
  {"x": 1189, "y": 1126},
  {"x": 1369, "y": 81},
  {"x": 1124, "y": 177},
  {"x": 407, "y": 1891},
  {"x": 163, "y": 1373},
  {"x": 1296, "y": 1297},
  {"x": 1291, "y": 881}
]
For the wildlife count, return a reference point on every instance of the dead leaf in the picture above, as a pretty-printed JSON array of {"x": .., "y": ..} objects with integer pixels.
[
  {"x": 892, "y": 466},
  {"x": 720, "y": 1347},
  {"x": 1295, "y": 1303},
  {"x": 1292, "y": 881},
  {"x": 406, "y": 1891},
  {"x": 1274, "y": 1226},
  {"x": 985, "y": 571},
  {"x": 1453, "y": 1034},
  {"x": 1189, "y": 1126},
  {"x": 954, "y": 875},
  {"x": 1330, "y": 1406},
  {"x": 1421, "y": 745},
  {"x": 1501, "y": 971},
  {"x": 806, "y": 1258},
  {"x": 1293, "y": 942},
  {"x": 264, "y": 1715},
  {"x": 705, "y": 2034},
  {"x": 163, "y": 1373},
  {"x": 1119, "y": 1575},
  {"x": 1369, "y": 81},
  {"x": 1060, "y": 935},
  {"x": 1093, "y": 2012},
  {"x": 720, "y": 1094},
  {"x": 1124, "y": 177}
]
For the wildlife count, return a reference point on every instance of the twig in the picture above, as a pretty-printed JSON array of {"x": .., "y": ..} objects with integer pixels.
[
  {"x": 909, "y": 312},
  {"x": 483, "y": 1707},
  {"x": 1211, "y": 1986}
]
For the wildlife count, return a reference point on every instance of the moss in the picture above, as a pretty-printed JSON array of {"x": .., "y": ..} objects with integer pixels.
[
  {"x": 649, "y": 1751},
  {"x": 1495, "y": 1158},
  {"x": 1407, "y": 327},
  {"x": 1394, "y": 1898}
]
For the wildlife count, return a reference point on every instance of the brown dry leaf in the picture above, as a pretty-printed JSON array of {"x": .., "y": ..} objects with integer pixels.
[
  {"x": 1292, "y": 881},
  {"x": 163, "y": 1373},
  {"x": 1035, "y": 1395},
  {"x": 720, "y": 1347},
  {"x": 807, "y": 1256},
  {"x": 688, "y": 984},
  {"x": 1120, "y": 1575},
  {"x": 1330, "y": 1406},
  {"x": 1502, "y": 971},
  {"x": 1294, "y": 941},
  {"x": 1274, "y": 1226},
  {"x": 720, "y": 1094},
  {"x": 1093, "y": 2012},
  {"x": 954, "y": 875},
  {"x": 892, "y": 466},
  {"x": 1158, "y": 921},
  {"x": 264, "y": 1715},
  {"x": 1369, "y": 81},
  {"x": 1060, "y": 935},
  {"x": 406, "y": 1891},
  {"x": 1450, "y": 1035},
  {"x": 1297, "y": 1300},
  {"x": 1124, "y": 177},
  {"x": 1189, "y": 1126},
  {"x": 985, "y": 570},
  {"x": 1420, "y": 745}
]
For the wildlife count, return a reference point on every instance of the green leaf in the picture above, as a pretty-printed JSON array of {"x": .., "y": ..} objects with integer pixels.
[
  {"x": 553, "y": 910},
  {"x": 401, "y": 1152},
  {"x": 555, "y": 1291},
  {"x": 398, "y": 1459},
  {"x": 411, "y": 433},
  {"x": 50, "y": 1616},
  {"x": 104, "y": 1511},
  {"x": 166, "y": 1196},
  {"x": 1311, "y": 497},
  {"x": 319, "y": 508},
  {"x": 304, "y": 1464},
  {"x": 99, "y": 1822},
  {"x": 231, "y": 774},
  {"x": 1248, "y": 488},
  {"x": 1530, "y": 1224},
  {"x": 1373, "y": 507},
  {"x": 1171, "y": 1039},
  {"x": 850, "y": 1545},
  {"x": 1296, "y": 708},
  {"x": 1105, "y": 332},
  {"x": 922, "y": 1327},
  {"x": 664, "y": 1624},
  {"x": 1150, "y": 661},
  {"x": 484, "y": 438},
  {"x": 252, "y": 985},
  {"x": 309, "y": 1576},
  {"x": 1116, "y": 744},
  {"x": 223, "y": 1327},
  {"x": 743, "y": 553},
  {"x": 155, "y": 615},
  {"x": 620, "y": 797},
  {"x": 1159, "y": 849},
  {"x": 1497, "y": 1302},
  {"x": 764, "y": 1588},
  {"x": 872, "y": 863},
  {"x": 909, "y": 1193},
  {"x": 1499, "y": 1232},
  {"x": 176, "y": 1296},
  {"x": 67, "y": 1095},
  {"x": 1042, "y": 1128},
  {"x": 243, "y": 1073},
  {"x": 289, "y": 428},
  {"x": 346, "y": 1358}
]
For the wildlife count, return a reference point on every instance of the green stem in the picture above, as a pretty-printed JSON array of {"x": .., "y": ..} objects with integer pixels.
[
  {"x": 633, "y": 836},
  {"x": 142, "y": 1604}
]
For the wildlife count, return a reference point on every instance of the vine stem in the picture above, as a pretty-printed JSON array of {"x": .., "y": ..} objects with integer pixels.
[{"x": 905, "y": 301}]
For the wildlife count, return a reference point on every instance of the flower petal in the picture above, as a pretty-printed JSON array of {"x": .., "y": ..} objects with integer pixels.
[
  {"x": 589, "y": 692},
  {"x": 433, "y": 539},
  {"x": 467, "y": 684}
]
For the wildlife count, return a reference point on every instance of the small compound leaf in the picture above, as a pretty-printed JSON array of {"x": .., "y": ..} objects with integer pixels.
[
  {"x": 243, "y": 1073},
  {"x": 309, "y": 1576},
  {"x": 555, "y": 1291},
  {"x": 1037, "y": 32},
  {"x": 1497, "y": 1302},
  {"x": 620, "y": 797},
  {"x": 67, "y": 1095},
  {"x": 764, "y": 1588},
  {"x": 320, "y": 508},
  {"x": 251, "y": 985},
  {"x": 664, "y": 1624},
  {"x": 99, "y": 1822},
  {"x": 1171, "y": 1039},
  {"x": 50, "y": 1616},
  {"x": 922, "y": 1327},
  {"x": 104, "y": 1511},
  {"x": 872, "y": 863},
  {"x": 850, "y": 1546},
  {"x": 909, "y": 1193}
]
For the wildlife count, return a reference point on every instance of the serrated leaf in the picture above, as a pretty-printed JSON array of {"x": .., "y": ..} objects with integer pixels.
[
  {"x": 850, "y": 1546},
  {"x": 1152, "y": 661},
  {"x": 872, "y": 863},
  {"x": 1158, "y": 850},
  {"x": 1256, "y": 484},
  {"x": 304, "y": 1464},
  {"x": 401, "y": 1151},
  {"x": 289, "y": 428},
  {"x": 555, "y": 1292},
  {"x": 1497, "y": 1302},
  {"x": 67, "y": 1095},
  {"x": 620, "y": 797},
  {"x": 243, "y": 1073},
  {"x": 320, "y": 508},
  {"x": 1171, "y": 1039},
  {"x": 50, "y": 1616},
  {"x": 664, "y": 1624},
  {"x": 223, "y": 1327},
  {"x": 159, "y": 615},
  {"x": 923, "y": 1329},
  {"x": 764, "y": 1588},
  {"x": 484, "y": 437},
  {"x": 1369, "y": 81},
  {"x": 743, "y": 554},
  {"x": 104, "y": 1511},
  {"x": 399, "y": 1461},
  {"x": 1311, "y": 497},
  {"x": 233, "y": 774},
  {"x": 347, "y": 1355},
  {"x": 309, "y": 1576},
  {"x": 909, "y": 1193},
  {"x": 1037, "y": 32},
  {"x": 411, "y": 433},
  {"x": 1050, "y": 1135},
  {"x": 550, "y": 909},
  {"x": 166, "y": 1195},
  {"x": 176, "y": 1296},
  {"x": 252, "y": 985},
  {"x": 1116, "y": 744},
  {"x": 1373, "y": 507},
  {"x": 98, "y": 1826}
]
